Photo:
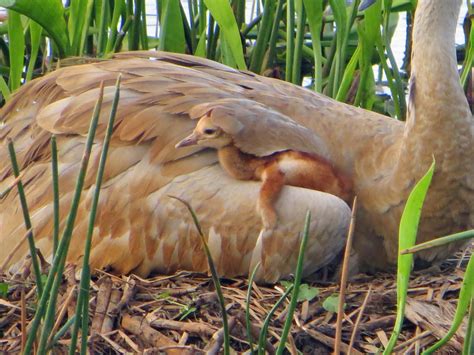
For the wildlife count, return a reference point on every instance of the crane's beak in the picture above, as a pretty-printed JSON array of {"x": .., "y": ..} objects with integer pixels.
[{"x": 192, "y": 139}]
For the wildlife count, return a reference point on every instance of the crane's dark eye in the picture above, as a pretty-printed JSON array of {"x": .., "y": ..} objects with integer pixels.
[{"x": 209, "y": 131}]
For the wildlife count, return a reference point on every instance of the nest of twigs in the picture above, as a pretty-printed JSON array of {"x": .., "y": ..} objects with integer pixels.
[{"x": 180, "y": 313}]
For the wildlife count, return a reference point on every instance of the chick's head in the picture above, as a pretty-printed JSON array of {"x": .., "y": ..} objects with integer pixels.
[{"x": 207, "y": 134}]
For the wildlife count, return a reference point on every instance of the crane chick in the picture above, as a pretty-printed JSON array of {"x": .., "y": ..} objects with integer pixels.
[{"x": 285, "y": 167}]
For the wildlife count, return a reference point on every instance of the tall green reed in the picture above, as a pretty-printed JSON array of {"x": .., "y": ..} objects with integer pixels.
[
  {"x": 47, "y": 302},
  {"x": 294, "y": 39}
]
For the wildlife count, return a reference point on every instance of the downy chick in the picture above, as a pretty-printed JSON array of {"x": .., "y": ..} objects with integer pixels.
[{"x": 288, "y": 167}]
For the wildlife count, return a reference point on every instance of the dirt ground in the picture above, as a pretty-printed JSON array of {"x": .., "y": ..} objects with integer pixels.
[{"x": 180, "y": 314}]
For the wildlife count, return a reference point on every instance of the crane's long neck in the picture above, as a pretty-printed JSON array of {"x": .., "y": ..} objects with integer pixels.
[{"x": 437, "y": 101}]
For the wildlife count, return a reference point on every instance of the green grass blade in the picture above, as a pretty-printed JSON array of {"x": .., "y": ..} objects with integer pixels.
[
  {"x": 48, "y": 298},
  {"x": 103, "y": 14},
  {"x": 84, "y": 312},
  {"x": 78, "y": 24},
  {"x": 131, "y": 37},
  {"x": 468, "y": 347},
  {"x": 26, "y": 218},
  {"x": 290, "y": 39},
  {"x": 201, "y": 45},
  {"x": 55, "y": 176},
  {"x": 17, "y": 49},
  {"x": 266, "y": 323},
  {"x": 121, "y": 35},
  {"x": 49, "y": 14},
  {"x": 202, "y": 19},
  {"x": 171, "y": 29},
  {"x": 50, "y": 313},
  {"x": 314, "y": 9},
  {"x": 239, "y": 9},
  {"x": 369, "y": 33},
  {"x": 61, "y": 331},
  {"x": 440, "y": 241},
  {"x": 258, "y": 52},
  {"x": 134, "y": 9},
  {"x": 469, "y": 58},
  {"x": 211, "y": 38},
  {"x": 397, "y": 89},
  {"x": 340, "y": 17},
  {"x": 297, "y": 283},
  {"x": 35, "y": 39},
  {"x": 215, "y": 276},
  {"x": 272, "y": 45},
  {"x": 85, "y": 276},
  {"x": 348, "y": 75},
  {"x": 300, "y": 32},
  {"x": 465, "y": 298},
  {"x": 395, "y": 84},
  {"x": 192, "y": 25},
  {"x": 407, "y": 238},
  {"x": 143, "y": 26},
  {"x": 247, "y": 307},
  {"x": 111, "y": 40},
  {"x": 85, "y": 26},
  {"x": 222, "y": 13}
]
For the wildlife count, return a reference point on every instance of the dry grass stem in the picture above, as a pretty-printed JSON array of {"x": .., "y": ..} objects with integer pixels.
[{"x": 344, "y": 275}]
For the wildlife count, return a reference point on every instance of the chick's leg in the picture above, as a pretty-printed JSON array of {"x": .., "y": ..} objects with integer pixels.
[{"x": 273, "y": 181}]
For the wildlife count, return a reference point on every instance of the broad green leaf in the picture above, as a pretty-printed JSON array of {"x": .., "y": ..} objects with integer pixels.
[
  {"x": 307, "y": 293},
  {"x": 406, "y": 239},
  {"x": 222, "y": 13},
  {"x": 331, "y": 303},
  {"x": 171, "y": 28},
  {"x": 48, "y": 13}
]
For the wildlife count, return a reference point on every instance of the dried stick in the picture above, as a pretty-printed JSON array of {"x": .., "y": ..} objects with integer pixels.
[
  {"x": 141, "y": 328},
  {"x": 344, "y": 273},
  {"x": 103, "y": 298},
  {"x": 359, "y": 318}
]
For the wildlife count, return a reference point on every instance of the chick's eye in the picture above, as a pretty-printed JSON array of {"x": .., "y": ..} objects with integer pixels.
[{"x": 209, "y": 131}]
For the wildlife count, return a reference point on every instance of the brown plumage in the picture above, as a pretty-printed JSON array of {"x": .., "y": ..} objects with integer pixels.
[
  {"x": 139, "y": 228},
  {"x": 285, "y": 167}
]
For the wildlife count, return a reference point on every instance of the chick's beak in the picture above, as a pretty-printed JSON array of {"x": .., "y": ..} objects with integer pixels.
[{"x": 192, "y": 139}]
